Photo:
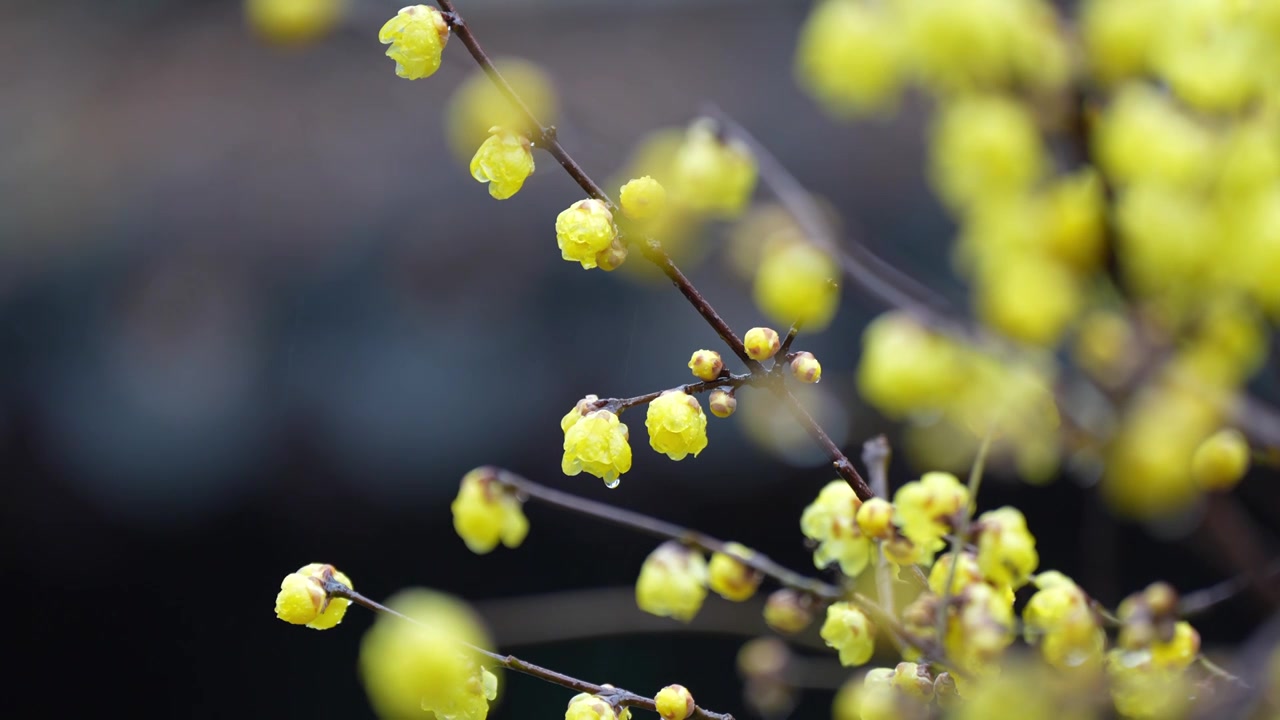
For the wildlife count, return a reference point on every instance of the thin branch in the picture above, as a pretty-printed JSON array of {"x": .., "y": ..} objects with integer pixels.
[
  {"x": 877, "y": 277},
  {"x": 962, "y": 534},
  {"x": 545, "y": 137},
  {"x": 662, "y": 529},
  {"x": 1201, "y": 601},
  {"x": 617, "y": 405},
  {"x": 615, "y": 696},
  {"x": 785, "y": 349},
  {"x": 706, "y": 543}
]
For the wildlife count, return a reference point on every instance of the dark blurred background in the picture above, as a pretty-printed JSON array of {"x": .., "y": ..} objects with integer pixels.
[{"x": 255, "y": 314}]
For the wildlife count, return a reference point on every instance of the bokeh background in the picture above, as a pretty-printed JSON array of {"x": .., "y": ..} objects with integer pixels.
[{"x": 254, "y": 313}]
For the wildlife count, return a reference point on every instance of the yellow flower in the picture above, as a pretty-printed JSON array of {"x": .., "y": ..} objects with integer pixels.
[
  {"x": 761, "y": 343},
  {"x": 673, "y": 582},
  {"x": 966, "y": 573},
  {"x": 1006, "y": 549},
  {"x": 905, "y": 368},
  {"x": 674, "y": 702},
  {"x": 850, "y": 57},
  {"x": 1221, "y": 460},
  {"x": 831, "y": 521},
  {"x": 926, "y": 508},
  {"x": 710, "y": 175},
  {"x": 1179, "y": 651},
  {"x": 585, "y": 706},
  {"x": 1059, "y": 619},
  {"x": 584, "y": 232},
  {"x": 849, "y": 631},
  {"x": 676, "y": 425},
  {"x": 642, "y": 198},
  {"x": 796, "y": 281},
  {"x": 596, "y": 442},
  {"x": 983, "y": 147},
  {"x": 302, "y": 599},
  {"x": 485, "y": 513},
  {"x": 730, "y": 577},
  {"x": 504, "y": 161},
  {"x": 422, "y": 663},
  {"x": 706, "y": 364},
  {"x": 293, "y": 21},
  {"x": 417, "y": 36}
]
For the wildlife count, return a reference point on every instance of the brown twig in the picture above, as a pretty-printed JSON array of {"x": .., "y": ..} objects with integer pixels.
[
  {"x": 705, "y": 543},
  {"x": 545, "y": 137},
  {"x": 614, "y": 696},
  {"x": 617, "y": 405},
  {"x": 662, "y": 529}
]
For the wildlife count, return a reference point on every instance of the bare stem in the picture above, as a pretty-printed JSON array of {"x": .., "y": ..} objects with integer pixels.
[
  {"x": 615, "y": 696},
  {"x": 962, "y": 535},
  {"x": 662, "y": 529},
  {"x": 545, "y": 137},
  {"x": 617, "y": 405}
]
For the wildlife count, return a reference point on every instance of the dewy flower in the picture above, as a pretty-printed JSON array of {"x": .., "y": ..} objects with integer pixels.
[
  {"x": 673, "y": 582},
  {"x": 504, "y": 161},
  {"x": 423, "y": 663},
  {"x": 676, "y": 425},
  {"x": 584, "y": 232},
  {"x": 831, "y": 521},
  {"x": 596, "y": 442},
  {"x": 485, "y": 513},
  {"x": 417, "y": 36},
  {"x": 302, "y": 599}
]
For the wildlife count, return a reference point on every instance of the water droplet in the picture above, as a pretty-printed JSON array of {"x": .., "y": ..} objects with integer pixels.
[{"x": 611, "y": 484}]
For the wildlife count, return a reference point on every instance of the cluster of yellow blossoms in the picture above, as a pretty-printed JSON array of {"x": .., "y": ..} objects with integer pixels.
[
  {"x": 1153, "y": 252},
  {"x": 1143, "y": 159},
  {"x": 597, "y": 442}
]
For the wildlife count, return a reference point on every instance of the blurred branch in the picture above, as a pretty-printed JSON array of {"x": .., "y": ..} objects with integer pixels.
[
  {"x": 614, "y": 696},
  {"x": 706, "y": 543},
  {"x": 605, "y": 612}
]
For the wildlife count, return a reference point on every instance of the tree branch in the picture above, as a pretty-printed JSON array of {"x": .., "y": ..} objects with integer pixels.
[
  {"x": 545, "y": 137},
  {"x": 615, "y": 696}
]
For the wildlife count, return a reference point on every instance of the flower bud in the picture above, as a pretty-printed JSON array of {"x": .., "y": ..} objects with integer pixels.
[
  {"x": 1221, "y": 461},
  {"x": 806, "y": 368},
  {"x": 706, "y": 364},
  {"x": 875, "y": 519},
  {"x": 722, "y": 402},
  {"x": 612, "y": 257},
  {"x": 730, "y": 577},
  {"x": 674, "y": 702},
  {"x": 762, "y": 343},
  {"x": 642, "y": 198},
  {"x": 303, "y": 601},
  {"x": 788, "y": 612}
]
